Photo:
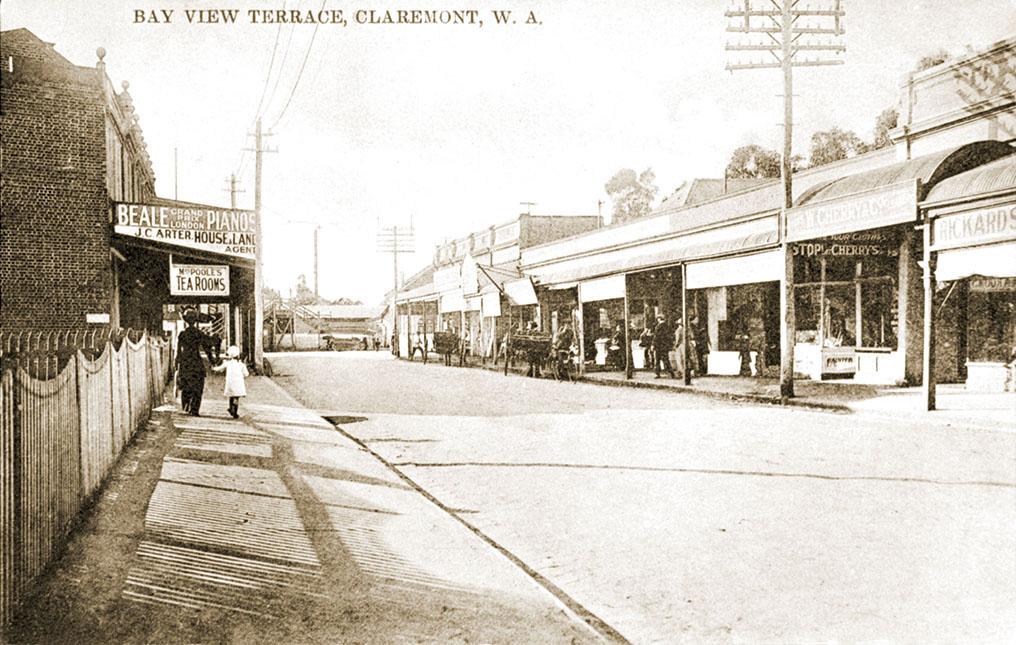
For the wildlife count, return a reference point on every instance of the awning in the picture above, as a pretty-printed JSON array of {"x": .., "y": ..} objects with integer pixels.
[
  {"x": 608, "y": 288},
  {"x": 732, "y": 238},
  {"x": 981, "y": 182},
  {"x": 521, "y": 292},
  {"x": 993, "y": 260},
  {"x": 883, "y": 196},
  {"x": 490, "y": 305},
  {"x": 451, "y": 302},
  {"x": 746, "y": 269}
]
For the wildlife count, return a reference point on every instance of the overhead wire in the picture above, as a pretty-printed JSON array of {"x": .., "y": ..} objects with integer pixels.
[
  {"x": 240, "y": 165},
  {"x": 299, "y": 74}
]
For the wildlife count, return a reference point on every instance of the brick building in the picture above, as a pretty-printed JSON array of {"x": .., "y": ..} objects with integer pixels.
[
  {"x": 73, "y": 163},
  {"x": 70, "y": 145}
]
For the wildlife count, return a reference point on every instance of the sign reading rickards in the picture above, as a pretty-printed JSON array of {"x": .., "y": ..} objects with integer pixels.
[{"x": 225, "y": 231}]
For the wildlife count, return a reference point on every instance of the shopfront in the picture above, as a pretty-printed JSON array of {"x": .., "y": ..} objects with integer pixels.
[
  {"x": 858, "y": 292},
  {"x": 602, "y": 301},
  {"x": 651, "y": 294},
  {"x": 846, "y": 298},
  {"x": 733, "y": 314},
  {"x": 973, "y": 247}
]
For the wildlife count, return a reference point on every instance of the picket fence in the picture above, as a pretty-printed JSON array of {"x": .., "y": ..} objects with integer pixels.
[{"x": 68, "y": 407}]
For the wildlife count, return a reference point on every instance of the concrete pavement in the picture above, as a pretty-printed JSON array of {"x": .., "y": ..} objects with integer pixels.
[{"x": 278, "y": 528}]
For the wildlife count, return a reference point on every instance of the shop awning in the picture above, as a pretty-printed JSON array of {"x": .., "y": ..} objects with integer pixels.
[
  {"x": 746, "y": 269},
  {"x": 982, "y": 182},
  {"x": 993, "y": 260},
  {"x": 883, "y": 196},
  {"x": 521, "y": 292},
  {"x": 423, "y": 292},
  {"x": 490, "y": 304},
  {"x": 608, "y": 288},
  {"x": 750, "y": 235},
  {"x": 451, "y": 302}
]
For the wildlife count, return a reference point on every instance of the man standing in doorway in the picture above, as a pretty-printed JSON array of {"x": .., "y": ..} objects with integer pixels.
[{"x": 663, "y": 342}]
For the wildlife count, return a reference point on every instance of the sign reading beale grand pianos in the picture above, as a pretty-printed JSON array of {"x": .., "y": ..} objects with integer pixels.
[{"x": 225, "y": 231}]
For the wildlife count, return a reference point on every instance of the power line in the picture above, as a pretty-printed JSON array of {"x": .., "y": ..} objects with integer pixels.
[
  {"x": 282, "y": 65},
  {"x": 271, "y": 65},
  {"x": 299, "y": 74}
]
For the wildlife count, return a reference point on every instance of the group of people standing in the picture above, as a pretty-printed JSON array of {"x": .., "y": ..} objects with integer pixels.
[
  {"x": 190, "y": 368},
  {"x": 664, "y": 337}
]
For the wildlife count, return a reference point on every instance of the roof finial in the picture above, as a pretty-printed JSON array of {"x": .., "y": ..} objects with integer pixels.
[{"x": 101, "y": 53}]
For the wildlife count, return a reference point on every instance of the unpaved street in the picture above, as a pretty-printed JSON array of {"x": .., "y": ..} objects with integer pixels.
[{"x": 673, "y": 517}]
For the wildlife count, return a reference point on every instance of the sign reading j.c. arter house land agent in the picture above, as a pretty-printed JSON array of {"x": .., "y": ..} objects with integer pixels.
[
  {"x": 225, "y": 231},
  {"x": 199, "y": 280}
]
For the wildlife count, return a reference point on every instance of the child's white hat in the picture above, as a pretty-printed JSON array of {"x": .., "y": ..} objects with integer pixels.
[{"x": 233, "y": 351}]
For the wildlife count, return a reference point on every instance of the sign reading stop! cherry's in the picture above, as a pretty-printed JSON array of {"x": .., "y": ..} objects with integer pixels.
[{"x": 224, "y": 231}]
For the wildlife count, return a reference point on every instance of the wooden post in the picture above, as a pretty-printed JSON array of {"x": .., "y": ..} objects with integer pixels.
[
  {"x": 581, "y": 334},
  {"x": 928, "y": 363},
  {"x": 508, "y": 336},
  {"x": 629, "y": 371},
  {"x": 684, "y": 323}
]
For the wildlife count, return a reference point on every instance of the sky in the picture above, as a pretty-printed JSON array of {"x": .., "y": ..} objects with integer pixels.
[{"x": 451, "y": 127}]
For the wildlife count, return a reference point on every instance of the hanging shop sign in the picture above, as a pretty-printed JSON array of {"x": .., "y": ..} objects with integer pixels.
[
  {"x": 224, "y": 231},
  {"x": 199, "y": 280},
  {"x": 857, "y": 244},
  {"x": 891, "y": 204},
  {"x": 983, "y": 284},
  {"x": 981, "y": 226}
]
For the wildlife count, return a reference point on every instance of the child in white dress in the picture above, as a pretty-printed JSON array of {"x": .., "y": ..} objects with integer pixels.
[{"x": 235, "y": 373}]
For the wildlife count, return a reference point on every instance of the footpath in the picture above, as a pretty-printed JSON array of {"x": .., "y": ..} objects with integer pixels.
[
  {"x": 956, "y": 405},
  {"x": 277, "y": 527}
]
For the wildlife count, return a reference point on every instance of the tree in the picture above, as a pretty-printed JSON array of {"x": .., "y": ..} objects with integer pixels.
[
  {"x": 937, "y": 57},
  {"x": 303, "y": 294},
  {"x": 886, "y": 121},
  {"x": 754, "y": 162},
  {"x": 632, "y": 194},
  {"x": 833, "y": 145}
]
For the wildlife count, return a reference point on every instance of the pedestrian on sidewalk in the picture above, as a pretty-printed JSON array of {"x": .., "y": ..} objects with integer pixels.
[
  {"x": 190, "y": 369},
  {"x": 235, "y": 386},
  {"x": 663, "y": 343}
]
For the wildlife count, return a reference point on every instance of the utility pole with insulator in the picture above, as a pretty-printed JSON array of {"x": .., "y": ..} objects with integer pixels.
[
  {"x": 259, "y": 314},
  {"x": 395, "y": 240},
  {"x": 793, "y": 37}
]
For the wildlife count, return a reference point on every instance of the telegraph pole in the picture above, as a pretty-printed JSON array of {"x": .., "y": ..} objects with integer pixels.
[
  {"x": 232, "y": 191},
  {"x": 317, "y": 293},
  {"x": 259, "y": 314},
  {"x": 395, "y": 240},
  {"x": 777, "y": 20}
]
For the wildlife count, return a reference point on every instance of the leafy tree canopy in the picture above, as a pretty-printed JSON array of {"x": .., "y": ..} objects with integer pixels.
[
  {"x": 937, "y": 57},
  {"x": 632, "y": 194},
  {"x": 754, "y": 162},
  {"x": 886, "y": 121},
  {"x": 835, "y": 144}
]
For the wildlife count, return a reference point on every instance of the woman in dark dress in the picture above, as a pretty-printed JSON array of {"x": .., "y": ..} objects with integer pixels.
[{"x": 190, "y": 368}]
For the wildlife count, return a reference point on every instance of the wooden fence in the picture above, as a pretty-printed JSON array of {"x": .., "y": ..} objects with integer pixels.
[{"x": 68, "y": 407}]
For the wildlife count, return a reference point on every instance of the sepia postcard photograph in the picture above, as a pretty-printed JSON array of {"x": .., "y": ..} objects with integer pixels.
[{"x": 525, "y": 321}]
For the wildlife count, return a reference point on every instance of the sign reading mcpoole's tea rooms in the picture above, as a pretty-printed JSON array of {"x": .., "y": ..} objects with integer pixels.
[
  {"x": 225, "y": 231},
  {"x": 199, "y": 280}
]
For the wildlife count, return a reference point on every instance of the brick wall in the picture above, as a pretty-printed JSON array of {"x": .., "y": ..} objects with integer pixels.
[{"x": 54, "y": 233}]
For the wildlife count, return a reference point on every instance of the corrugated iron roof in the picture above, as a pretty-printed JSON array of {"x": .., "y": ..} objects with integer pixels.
[
  {"x": 994, "y": 177},
  {"x": 929, "y": 169}
]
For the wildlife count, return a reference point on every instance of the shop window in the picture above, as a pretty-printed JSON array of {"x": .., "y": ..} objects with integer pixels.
[
  {"x": 879, "y": 315},
  {"x": 806, "y": 308},
  {"x": 992, "y": 326}
]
